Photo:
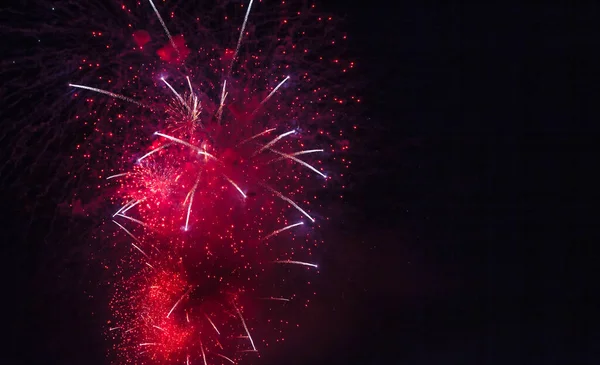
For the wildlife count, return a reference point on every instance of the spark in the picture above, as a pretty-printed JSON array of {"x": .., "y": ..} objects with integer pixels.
[
  {"x": 191, "y": 195},
  {"x": 278, "y": 231},
  {"x": 270, "y": 94},
  {"x": 139, "y": 249},
  {"x": 282, "y": 197},
  {"x": 126, "y": 231},
  {"x": 153, "y": 151},
  {"x": 245, "y": 327},
  {"x": 239, "y": 43},
  {"x": 278, "y": 299},
  {"x": 190, "y": 85},
  {"x": 285, "y": 155},
  {"x": 148, "y": 344},
  {"x": 235, "y": 185},
  {"x": 212, "y": 324},
  {"x": 152, "y": 267},
  {"x": 203, "y": 354},
  {"x": 132, "y": 205},
  {"x": 113, "y": 328},
  {"x": 134, "y": 220},
  {"x": 160, "y": 19},
  {"x": 162, "y": 329},
  {"x": 187, "y": 316},
  {"x": 176, "y": 303},
  {"x": 275, "y": 141},
  {"x": 188, "y": 360},
  {"x": 256, "y": 135},
  {"x": 295, "y": 263},
  {"x": 223, "y": 96},
  {"x": 175, "y": 92},
  {"x": 225, "y": 357},
  {"x": 105, "y": 92},
  {"x": 200, "y": 151},
  {"x": 131, "y": 329},
  {"x": 123, "y": 207},
  {"x": 297, "y": 154},
  {"x": 117, "y": 175}
]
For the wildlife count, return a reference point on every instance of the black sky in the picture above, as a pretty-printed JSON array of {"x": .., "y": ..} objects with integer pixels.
[{"x": 475, "y": 120}]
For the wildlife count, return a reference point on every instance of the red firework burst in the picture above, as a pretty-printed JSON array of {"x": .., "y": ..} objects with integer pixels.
[{"x": 220, "y": 150}]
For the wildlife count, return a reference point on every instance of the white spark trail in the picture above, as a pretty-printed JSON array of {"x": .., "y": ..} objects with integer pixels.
[
  {"x": 117, "y": 175},
  {"x": 180, "y": 299},
  {"x": 190, "y": 84},
  {"x": 282, "y": 197},
  {"x": 162, "y": 329},
  {"x": 134, "y": 220},
  {"x": 203, "y": 354},
  {"x": 274, "y": 141},
  {"x": 150, "y": 266},
  {"x": 295, "y": 263},
  {"x": 293, "y": 158},
  {"x": 305, "y": 152},
  {"x": 223, "y": 96},
  {"x": 191, "y": 195},
  {"x": 225, "y": 357},
  {"x": 153, "y": 151},
  {"x": 212, "y": 324},
  {"x": 132, "y": 205},
  {"x": 200, "y": 151},
  {"x": 123, "y": 207},
  {"x": 278, "y": 299},
  {"x": 278, "y": 231},
  {"x": 239, "y": 43},
  {"x": 105, "y": 92},
  {"x": 126, "y": 231},
  {"x": 160, "y": 19},
  {"x": 148, "y": 344},
  {"x": 235, "y": 185},
  {"x": 245, "y": 327},
  {"x": 139, "y": 249},
  {"x": 175, "y": 92},
  {"x": 270, "y": 94},
  {"x": 256, "y": 135},
  {"x": 113, "y": 328}
]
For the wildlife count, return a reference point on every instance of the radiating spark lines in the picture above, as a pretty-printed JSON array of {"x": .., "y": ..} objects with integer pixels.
[
  {"x": 239, "y": 43},
  {"x": 285, "y": 155},
  {"x": 212, "y": 324},
  {"x": 235, "y": 185},
  {"x": 116, "y": 96},
  {"x": 160, "y": 19},
  {"x": 175, "y": 92},
  {"x": 153, "y": 151},
  {"x": 275, "y": 141},
  {"x": 117, "y": 175},
  {"x": 176, "y": 303},
  {"x": 276, "y": 299},
  {"x": 256, "y": 135},
  {"x": 177, "y": 140},
  {"x": 225, "y": 357},
  {"x": 278, "y": 231},
  {"x": 270, "y": 94},
  {"x": 126, "y": 231},
  {"x": 283, "y": 197},
  {"x": 296, "y": 263},
  {"x": 245, "y": 327}
]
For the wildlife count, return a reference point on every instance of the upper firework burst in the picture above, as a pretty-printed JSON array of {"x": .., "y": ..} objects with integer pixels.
[{"x": 211, "y": 127}]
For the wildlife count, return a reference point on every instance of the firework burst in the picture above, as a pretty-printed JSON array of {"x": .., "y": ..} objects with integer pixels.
[{"x": 213, "y": 146}]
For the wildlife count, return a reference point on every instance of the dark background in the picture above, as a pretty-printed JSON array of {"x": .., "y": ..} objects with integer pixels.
[{"x": 465, "y": 229}]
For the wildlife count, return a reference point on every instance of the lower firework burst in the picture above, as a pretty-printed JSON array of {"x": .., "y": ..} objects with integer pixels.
[{"x": 214, "y": 155}]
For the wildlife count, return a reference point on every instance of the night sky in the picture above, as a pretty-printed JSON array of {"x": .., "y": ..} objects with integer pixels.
[{"x": 446, "y": 253}]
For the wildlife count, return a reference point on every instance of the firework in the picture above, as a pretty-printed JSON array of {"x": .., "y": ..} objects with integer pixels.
[{"x": 213, "y": 144}]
